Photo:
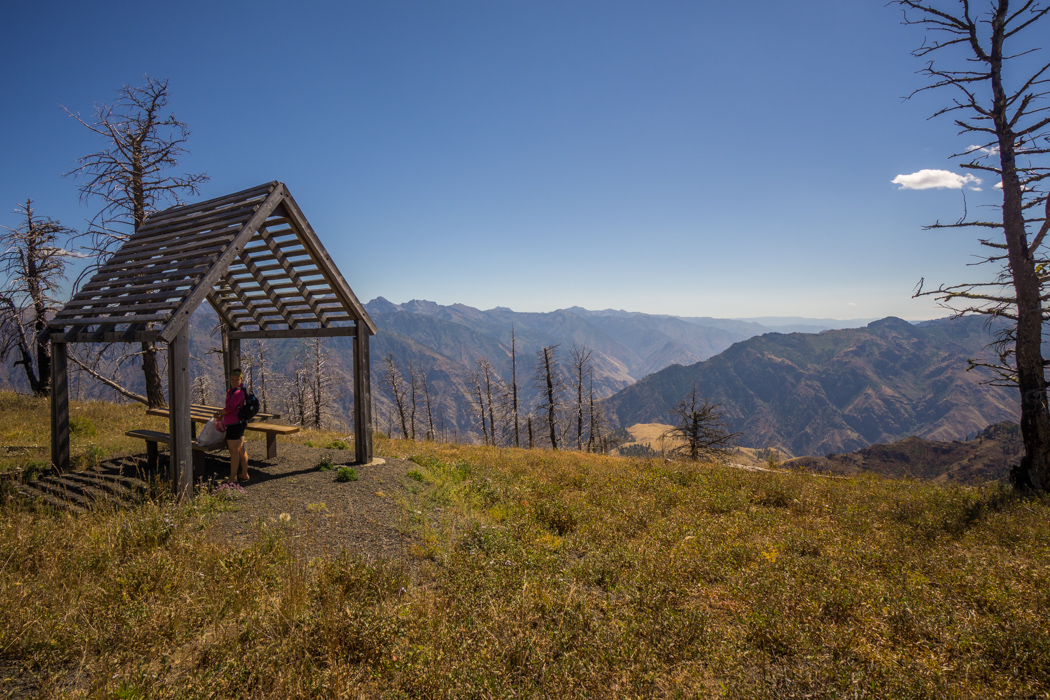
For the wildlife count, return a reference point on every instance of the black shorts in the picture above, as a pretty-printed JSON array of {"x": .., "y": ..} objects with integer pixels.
[{"x": 235, "y": 431}]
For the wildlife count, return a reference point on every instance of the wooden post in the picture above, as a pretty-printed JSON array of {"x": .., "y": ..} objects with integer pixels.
[
  {"x": 232, "y": 358},
  {"x": 180, "y": 471},
  {"x": 362, "y": 397},
  {"x": 59, "y": 407}
]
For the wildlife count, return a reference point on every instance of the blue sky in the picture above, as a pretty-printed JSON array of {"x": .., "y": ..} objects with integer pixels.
[{"x": 690, "y": 158}]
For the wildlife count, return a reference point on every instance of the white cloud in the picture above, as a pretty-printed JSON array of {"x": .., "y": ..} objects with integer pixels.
[
  {"x": 998, "y": 185},
  {"x": 935, "y": 179},
  {"x": 984, "y": 152}
]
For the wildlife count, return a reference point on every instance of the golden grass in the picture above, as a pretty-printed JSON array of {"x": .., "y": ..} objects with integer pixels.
[{"x": 541, "y": 574}]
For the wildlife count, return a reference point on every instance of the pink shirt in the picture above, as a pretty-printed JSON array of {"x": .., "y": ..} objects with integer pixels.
[{"x": 234, "y": 400}]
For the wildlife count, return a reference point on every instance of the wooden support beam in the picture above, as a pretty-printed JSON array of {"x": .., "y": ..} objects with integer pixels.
[
  {"x": 180, "y": 470},
  {"x": 59, "y": 407},
  {"x": 233, "y": 357},
  {"x": 59, "y": 336},
  {"x": 294, "y": 333},
  {"x": 362, "y": 397}
]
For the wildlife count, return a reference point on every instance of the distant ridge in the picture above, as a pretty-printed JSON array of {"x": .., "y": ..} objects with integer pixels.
[{"x": 839, "y": 390}]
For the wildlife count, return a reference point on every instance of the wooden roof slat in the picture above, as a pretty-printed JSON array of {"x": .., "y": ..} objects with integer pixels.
[
  {"x": 246, "y": 304},
  {"x": 152, "y": 287},
  {"x": 175, "y": 215},
  {"x": 275, "y": 249},
  {"x": 204, "y": 251},
  {"x": 90, "y": 312},
  {"x": 114, "y": 320},
  {"x": 179, "y": 270},
  {"x": 114, "y": 299},
  {"x": 250, "y": 193},
  {"x": 190, "y": 229},
  {"x": 180, "y": 243},
  {"x": 166, "y": 236},
  {"x": 273, "y": 296}
]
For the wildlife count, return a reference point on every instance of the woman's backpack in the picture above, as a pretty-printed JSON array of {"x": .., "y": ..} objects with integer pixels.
[{"x": 249, "y": 408}]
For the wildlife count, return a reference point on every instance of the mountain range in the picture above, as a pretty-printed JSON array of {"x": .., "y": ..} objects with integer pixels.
[
  {"x": 839, "y": 390},
  {"x": 805, "y": 386}
]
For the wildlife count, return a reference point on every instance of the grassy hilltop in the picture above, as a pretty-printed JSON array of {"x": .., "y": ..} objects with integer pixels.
[{"x": 540, "y": 574}]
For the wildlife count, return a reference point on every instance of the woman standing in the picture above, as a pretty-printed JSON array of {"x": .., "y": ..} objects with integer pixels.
[{"x": 235, "y": 427}]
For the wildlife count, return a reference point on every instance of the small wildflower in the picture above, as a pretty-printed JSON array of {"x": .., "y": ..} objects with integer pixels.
[{"x": 285, "y": 518}]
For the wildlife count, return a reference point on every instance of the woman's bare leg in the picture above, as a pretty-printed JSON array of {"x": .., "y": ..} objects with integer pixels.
[
  {"x": 244, "y": 461},
  {"x": 236, "y": 448}
]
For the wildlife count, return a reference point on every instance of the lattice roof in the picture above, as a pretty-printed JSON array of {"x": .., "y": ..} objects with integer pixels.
[{"x": 251, "y": 254}]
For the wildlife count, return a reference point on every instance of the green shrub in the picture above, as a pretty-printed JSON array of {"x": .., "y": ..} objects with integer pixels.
[
  {"x": 346, "y": 474},
  {"x": 35, "y": 469},
  {"x": 81, "y": 426},
  {"x": 337, "y": 445},
  {"x": 326, "y": 465},
  {"x": 416, "y": 475}
]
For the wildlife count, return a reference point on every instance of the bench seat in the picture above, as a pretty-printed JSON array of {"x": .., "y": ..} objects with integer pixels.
[{"x": 153, "y": 437}]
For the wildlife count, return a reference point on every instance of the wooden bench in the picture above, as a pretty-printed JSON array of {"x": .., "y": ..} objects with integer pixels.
[
  {"x": 153, "y": 437},
  {"x": 202, "y": 414}
]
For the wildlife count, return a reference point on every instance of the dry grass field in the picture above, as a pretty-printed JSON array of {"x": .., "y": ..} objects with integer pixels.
[{"x": 541, "y": 574}]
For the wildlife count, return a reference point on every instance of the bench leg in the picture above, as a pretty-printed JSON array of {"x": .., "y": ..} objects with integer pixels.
[
  {"x": 151, "y": 456},
  {"x": 271, "y": 445}
]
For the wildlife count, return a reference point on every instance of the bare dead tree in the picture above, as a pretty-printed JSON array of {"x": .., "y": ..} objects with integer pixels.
[
  {"x": 581, "y": 366},
  {"x": 398, "y": 389},
  {"x": 495, "y": 397},
  {"x": 1013, "y": 132},
  {"x": 698, "y": 424},
  {"x": 532, "y": 440},
  {"x": 413, "y": 382},
  {"x": 130, "y": 177},
  {"x": 514, "y": 386},
  {"x": 301, "y": 395},
  {"x": 33, "y": 261},
  {"x": 320, "y": 381},
  {"x": 260, "y": 355},
  {"x": 480, "y": 407},
  {"x": 431, "y": 435},
  {"x": 596, "y": 422},
  {"x": 551, "y": 386},
  {"x": 91, "y": 368}
]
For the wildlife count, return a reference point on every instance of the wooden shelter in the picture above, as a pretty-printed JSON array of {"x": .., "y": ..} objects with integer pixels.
[{"x": 254, "y": 257}]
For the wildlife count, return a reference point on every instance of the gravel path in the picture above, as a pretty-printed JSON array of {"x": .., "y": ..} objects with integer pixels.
[{"x": 324, "y": 515}]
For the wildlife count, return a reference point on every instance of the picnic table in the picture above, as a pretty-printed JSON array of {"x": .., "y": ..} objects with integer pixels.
[{"x": 200, "y": 413}]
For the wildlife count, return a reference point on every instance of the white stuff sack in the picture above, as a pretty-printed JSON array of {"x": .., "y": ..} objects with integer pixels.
[{"x": 210, "y": 434}]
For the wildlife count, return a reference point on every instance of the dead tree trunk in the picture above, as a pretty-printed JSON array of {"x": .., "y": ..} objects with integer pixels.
[
  {"x": 514, "y": 386},
  {"x": 581, "y": 363},
  {"x": 1008, "y": 121},
  {"x": 550, "y": 383},
  {"x": 397, "y": 388}
]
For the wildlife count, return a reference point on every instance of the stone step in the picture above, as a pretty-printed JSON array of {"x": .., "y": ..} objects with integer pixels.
[{"x": 32, "y": 494}]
